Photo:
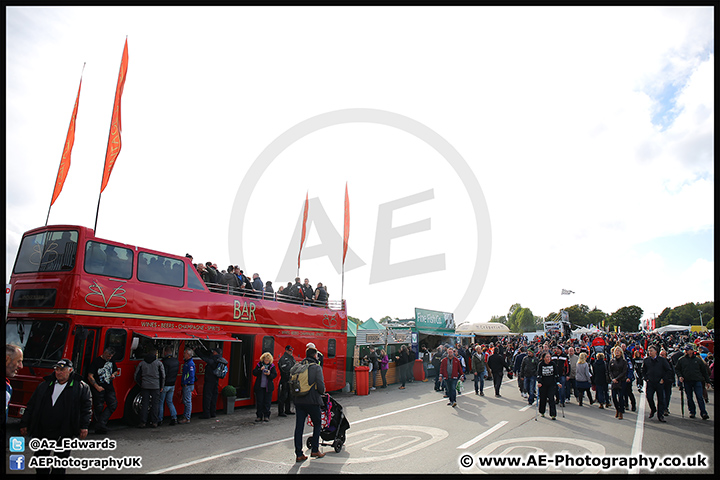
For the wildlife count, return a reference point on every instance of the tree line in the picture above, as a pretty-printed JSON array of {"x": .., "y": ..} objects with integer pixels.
[{"x": 520, "y": 319}]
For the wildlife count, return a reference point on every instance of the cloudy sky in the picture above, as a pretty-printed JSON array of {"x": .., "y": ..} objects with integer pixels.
[{"x": 492, "y": 155}]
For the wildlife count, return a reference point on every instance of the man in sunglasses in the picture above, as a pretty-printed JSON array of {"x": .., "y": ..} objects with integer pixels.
[{"x": 60, "y": 407}]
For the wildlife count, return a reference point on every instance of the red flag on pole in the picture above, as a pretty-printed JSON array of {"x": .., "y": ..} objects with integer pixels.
[
  {"x": 67, "y": 152},
  {"x": 114, "y": 141},
  {"x": 346, "y": 234},
  {"x": 302, "y": 239}
]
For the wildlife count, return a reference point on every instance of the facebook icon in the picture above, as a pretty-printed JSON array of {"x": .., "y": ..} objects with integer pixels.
[{"x": 17, "y": 462}]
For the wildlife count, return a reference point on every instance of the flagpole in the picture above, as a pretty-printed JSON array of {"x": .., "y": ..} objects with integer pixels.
[{"x": 72, "y": 119}]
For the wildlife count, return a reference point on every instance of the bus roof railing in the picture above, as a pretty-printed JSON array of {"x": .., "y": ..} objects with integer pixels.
[{"x": 273, "y": 296}]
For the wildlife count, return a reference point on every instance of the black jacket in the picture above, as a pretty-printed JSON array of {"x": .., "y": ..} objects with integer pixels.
[
  {"x": 655, "y": 369},
  {"x": 285, "y": 363},
  {"x": 172, "y": 366},
  {"x": 496, "y": 363},
  {"x": 76, "y": 407},
  {"x": 257, "y": 372}
]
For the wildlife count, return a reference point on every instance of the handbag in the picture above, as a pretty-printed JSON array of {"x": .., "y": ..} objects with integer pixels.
[{"x": 460, "y": 387}]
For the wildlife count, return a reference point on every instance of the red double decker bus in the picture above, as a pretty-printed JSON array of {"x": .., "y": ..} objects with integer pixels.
[{"x": 73, "y": 294}]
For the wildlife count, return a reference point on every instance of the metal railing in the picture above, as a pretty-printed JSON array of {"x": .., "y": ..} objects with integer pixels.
[{"x": 274, "y": 296}]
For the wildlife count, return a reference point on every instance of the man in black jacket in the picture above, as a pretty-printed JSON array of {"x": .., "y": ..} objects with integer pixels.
[
  {"x": 285, "y": 363},
  {"x": 309, "y": 404},
  {"x": 103, "y": 371},
  {"x": 172, "y": 366},
  {"x": 655, "y": 370},
  {"x": 496, "y": 362},
  {"x": 693, "y": 374},
  {"x": 60, "y": 407},
  {"x": 210, "y": 385}
]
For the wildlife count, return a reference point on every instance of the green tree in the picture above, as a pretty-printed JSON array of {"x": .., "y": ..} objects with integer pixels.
[
  {"x": 502, "y": 319},
  {"x": 596, "y": 317},
  {"x": 385, "y": 319},
  {"x": 711, "y": 324},
  {"x": 356, "y": 321},
  {"x": 578, "y": 314},
  {"x": 627, "y": 318}
]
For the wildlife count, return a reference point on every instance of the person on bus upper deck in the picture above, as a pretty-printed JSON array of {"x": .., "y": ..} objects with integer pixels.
[
  {"x": 103, "y": 371},
  {"x": 268, "y": 292},
  {"x": 60, "y": 407},
  {"x": 230, "y": 279},
  {"x": 13, "y": 363},
  {"x": 204, "y": 273},
  {"x": 210, "y": 385},
  {"x": 320, "y": 296},
  {"x": 257, "y": 285},
  {"x": 297, "y": 292},
  {"x": 307, "y": 291}
]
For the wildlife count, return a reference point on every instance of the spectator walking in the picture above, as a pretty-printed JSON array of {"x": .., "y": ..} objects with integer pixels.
[
  {"x": 618, "y": 377},
  {"x": 583, "y": 377},
  {"x": 479, "y": 368},
  {"x": 384, "y": 361},
  {"x": 693, "y": 375},
  {"x": 548, "y": 376},
  {"x": 601, "y": 379},
  {"x": 451, "y": 370},
  {"x": 655, "y": 369},
  {"x": 528, "y": 372},
  {"x": 309, "y": 405},
  {"x": 496, "y": 363}
]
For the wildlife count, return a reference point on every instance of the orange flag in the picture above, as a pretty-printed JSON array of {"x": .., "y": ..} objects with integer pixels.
[
  {"x": 114, "y": 142},
  {"x": 302, "y": 240},
  {"x": 67, "y": 151},
  {"x": 346, "y": 234}
]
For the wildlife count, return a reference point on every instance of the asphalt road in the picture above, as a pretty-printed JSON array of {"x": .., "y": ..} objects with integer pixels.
[{"x": 414, "y": 431}]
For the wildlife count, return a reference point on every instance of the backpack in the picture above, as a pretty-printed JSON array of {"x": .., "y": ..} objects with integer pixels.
[
  {"x": 221, "y": 368},
  {"x": 299, "y": 379}
]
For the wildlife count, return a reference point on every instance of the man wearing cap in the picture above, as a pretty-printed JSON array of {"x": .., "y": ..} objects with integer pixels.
[
  {"x": 60, "y": 407},
  {"x": 285, "y": 363},
  {"x": 693, "y": 375}
]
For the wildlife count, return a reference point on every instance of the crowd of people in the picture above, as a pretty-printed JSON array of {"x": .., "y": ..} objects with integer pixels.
[
  {"x": 603, "y": 368},
  {"x": 233, "y": 280}
]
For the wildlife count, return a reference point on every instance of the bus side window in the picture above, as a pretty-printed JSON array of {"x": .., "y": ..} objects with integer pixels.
[
  {"x": 331, "y": 348},
  {"x": 268, "y": 345},
  {"x": 116, "y": 338}
]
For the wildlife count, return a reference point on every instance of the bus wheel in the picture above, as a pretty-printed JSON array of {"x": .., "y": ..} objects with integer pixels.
[{"x": 133, "y": 404}]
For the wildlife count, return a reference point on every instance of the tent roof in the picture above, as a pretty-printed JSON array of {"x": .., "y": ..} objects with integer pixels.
[
  {"x": 671, "y": 328},
  {"x": 370, "y": 324},
  {"x": 487, "y": 328},
  {"x": 351, "y": 329}
]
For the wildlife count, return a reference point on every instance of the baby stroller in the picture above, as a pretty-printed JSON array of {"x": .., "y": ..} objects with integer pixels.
[{"x": 334, "y": 424}]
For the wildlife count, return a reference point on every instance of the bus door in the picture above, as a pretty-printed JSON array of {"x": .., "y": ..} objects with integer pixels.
[
  {"x": 241, "y": 365},
  {"x": 85, "y": 348}
]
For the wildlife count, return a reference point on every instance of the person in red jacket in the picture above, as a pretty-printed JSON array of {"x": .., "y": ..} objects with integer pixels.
[{"x": 451, "y": 370}]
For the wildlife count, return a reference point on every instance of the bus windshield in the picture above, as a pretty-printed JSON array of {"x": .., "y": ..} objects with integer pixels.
[
  {"x": 42, "y": 341},
  {"x": 47, "y": 252}
]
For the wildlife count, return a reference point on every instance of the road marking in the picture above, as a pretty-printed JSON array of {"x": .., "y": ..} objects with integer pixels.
[
  {"x": 639, "y": 427},
  {"x": 482, "y": 435},
  {"x": 526, "y": 407},
  {"x": 275, "y": 442}
]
